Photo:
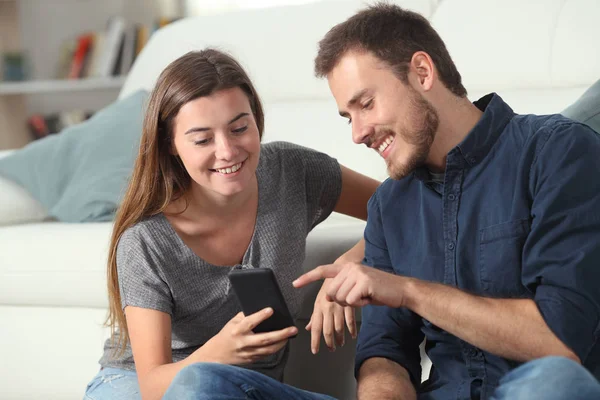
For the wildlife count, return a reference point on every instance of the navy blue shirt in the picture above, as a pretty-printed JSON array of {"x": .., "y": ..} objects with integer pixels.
[{"x": 518, "y": 216}]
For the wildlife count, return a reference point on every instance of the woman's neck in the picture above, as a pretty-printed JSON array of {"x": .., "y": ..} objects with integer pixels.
[{"x": 202, "y": 203}]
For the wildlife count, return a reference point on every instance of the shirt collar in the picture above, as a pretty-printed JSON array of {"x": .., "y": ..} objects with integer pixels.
[
  {"x": 485, "y": 133},
  {"x": 477, "y": 144}
]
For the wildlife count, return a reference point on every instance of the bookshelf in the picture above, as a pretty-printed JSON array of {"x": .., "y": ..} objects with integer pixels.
[
  {"x": 38, "y": 29},
  {"x": 60, "y": 85}
]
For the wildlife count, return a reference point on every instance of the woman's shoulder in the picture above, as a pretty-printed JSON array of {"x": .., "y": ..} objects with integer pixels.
[
  {"x": 143, "y": 232},
  {"x": 290, "y": 154},
  {"x": 147, "y": 242},
  {"x": 276, "y": 149}
]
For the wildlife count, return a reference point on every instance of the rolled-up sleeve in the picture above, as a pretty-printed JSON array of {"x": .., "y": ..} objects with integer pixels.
[
  {"x": 391, "y": 333},
  {"x": 561, "y": 256}
]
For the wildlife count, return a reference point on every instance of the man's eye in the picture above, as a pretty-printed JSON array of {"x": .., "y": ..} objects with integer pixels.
[
  {"x": 201, "y": 142},
  {"x": 367, "y": 104},
  {"x": 240, "y": 130},
  {"x": 349, "y": 121}
]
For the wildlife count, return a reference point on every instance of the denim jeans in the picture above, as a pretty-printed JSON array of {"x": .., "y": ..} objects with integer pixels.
[
  {"x": 113, "y": 384},
  {"x": 549, "y": 378},
  {"x": 199, "y": 381},
  {"x": 203, "y": 381}
]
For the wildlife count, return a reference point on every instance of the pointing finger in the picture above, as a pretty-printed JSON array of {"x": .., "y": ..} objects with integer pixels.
[{"x": 322, "y": 272}]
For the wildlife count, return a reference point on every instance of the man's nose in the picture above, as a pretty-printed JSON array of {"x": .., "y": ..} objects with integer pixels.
[{"x": 360, "y": 132}]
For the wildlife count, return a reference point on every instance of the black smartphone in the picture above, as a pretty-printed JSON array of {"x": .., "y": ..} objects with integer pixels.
[{"x": 256, "y": 289}]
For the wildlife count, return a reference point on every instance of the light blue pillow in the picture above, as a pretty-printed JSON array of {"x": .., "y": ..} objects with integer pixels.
[
  {"x": 80, "y": 174},
  {"x": 587, "y": 108}
]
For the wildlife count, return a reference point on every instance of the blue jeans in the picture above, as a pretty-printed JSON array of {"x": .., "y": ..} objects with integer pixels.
[
  {"x": 198, "y": 381},
  {"x": 549, "y": 378},
  {"x": 113, "y": 384},
  {"x": 203, "y": 381}
]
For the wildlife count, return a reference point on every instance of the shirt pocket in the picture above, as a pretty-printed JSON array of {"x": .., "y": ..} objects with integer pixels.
[{"x": 500, "y": 258}]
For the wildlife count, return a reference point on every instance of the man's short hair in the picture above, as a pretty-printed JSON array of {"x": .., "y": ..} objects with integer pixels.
[{"x": 393, "y": 35}]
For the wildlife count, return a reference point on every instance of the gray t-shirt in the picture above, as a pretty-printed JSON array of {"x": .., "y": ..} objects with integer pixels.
[{"x": 297, "y": 189}]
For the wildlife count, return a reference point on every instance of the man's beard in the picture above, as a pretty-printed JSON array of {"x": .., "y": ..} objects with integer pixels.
[{"x": 421, "y": 138}]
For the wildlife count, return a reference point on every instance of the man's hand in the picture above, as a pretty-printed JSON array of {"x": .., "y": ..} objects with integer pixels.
[{"x": 356, "y": 285}]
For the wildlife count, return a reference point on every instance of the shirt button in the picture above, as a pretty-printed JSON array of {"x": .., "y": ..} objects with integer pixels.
[
  {"x": 451, "y": 246},
  {"x": 451, "y": 197},
  {"x": 473, "y": 352}
]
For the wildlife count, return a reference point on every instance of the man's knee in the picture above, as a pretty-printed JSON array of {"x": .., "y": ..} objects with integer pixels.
[
  {"x": 548, "y": 377},
  {"x": 552, "y": 366}
]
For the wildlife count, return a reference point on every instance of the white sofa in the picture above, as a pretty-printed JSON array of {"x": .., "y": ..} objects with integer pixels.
[{"x": 539, "y": 55}]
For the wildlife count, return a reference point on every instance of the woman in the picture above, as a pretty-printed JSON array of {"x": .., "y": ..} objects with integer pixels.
[{"x": 205, "y": 197}]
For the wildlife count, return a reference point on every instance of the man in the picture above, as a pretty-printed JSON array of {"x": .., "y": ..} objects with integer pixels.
[{"x": 486, "y": 241}]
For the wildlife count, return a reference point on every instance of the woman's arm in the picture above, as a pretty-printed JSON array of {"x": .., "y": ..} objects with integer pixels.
[
  {"x": 357, "y": 189},
  {"x": 328, "y": 317},
  {"x": 150, "y": 338},
  {"x": 355, "y": 254}
]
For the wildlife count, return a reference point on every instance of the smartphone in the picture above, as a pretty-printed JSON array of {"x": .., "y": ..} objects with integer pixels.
[{"x": 256, "y": 289}]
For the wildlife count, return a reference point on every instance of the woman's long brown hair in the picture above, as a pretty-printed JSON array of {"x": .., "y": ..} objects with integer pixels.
[{"x": 158, "y": 176}]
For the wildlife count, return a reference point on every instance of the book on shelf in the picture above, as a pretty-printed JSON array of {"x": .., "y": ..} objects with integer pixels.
[
  {"x": 107, "y": 53},
  {"x": 41, "y": 126},
  {"x": 80, "y": 55}
]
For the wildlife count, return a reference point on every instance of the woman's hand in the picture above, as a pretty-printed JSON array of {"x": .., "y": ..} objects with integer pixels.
[
  {"x": 328, "y": 317},
  {"x": 237, "y": 344}
]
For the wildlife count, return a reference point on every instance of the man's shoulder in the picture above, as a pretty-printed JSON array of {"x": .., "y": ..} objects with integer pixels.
[
  {"x": 527, "y": 135},
  {"x": 540, "y": 127}
]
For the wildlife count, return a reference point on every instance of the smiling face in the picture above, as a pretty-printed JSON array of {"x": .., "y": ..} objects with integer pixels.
[
  {"x": 386, "y": 115},
  {"x": 218, "y": 142}
]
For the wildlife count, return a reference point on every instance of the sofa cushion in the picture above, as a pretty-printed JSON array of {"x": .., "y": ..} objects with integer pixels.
[
  {"x": 79, "y": 174},
  {"x": 587, "y": 108},
  {"x": 54, "y": 264},
  {"x": 513, "y": 44},
  {"x": 58, "y": 264},
  {"x": 16, "y": 204}
]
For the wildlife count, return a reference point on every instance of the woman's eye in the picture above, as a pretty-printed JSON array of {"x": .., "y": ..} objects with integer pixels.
[
  {"x": 201, "y": 142},
  {"x": 240, "y": 130}
]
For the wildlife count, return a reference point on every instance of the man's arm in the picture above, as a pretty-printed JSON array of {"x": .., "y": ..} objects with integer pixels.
[
  {"x": 559, "y": 265},
  {"x": 389, "y": 338},
  {"x": 383, "y": 379},
  {"x": 510, "y": 328}
]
